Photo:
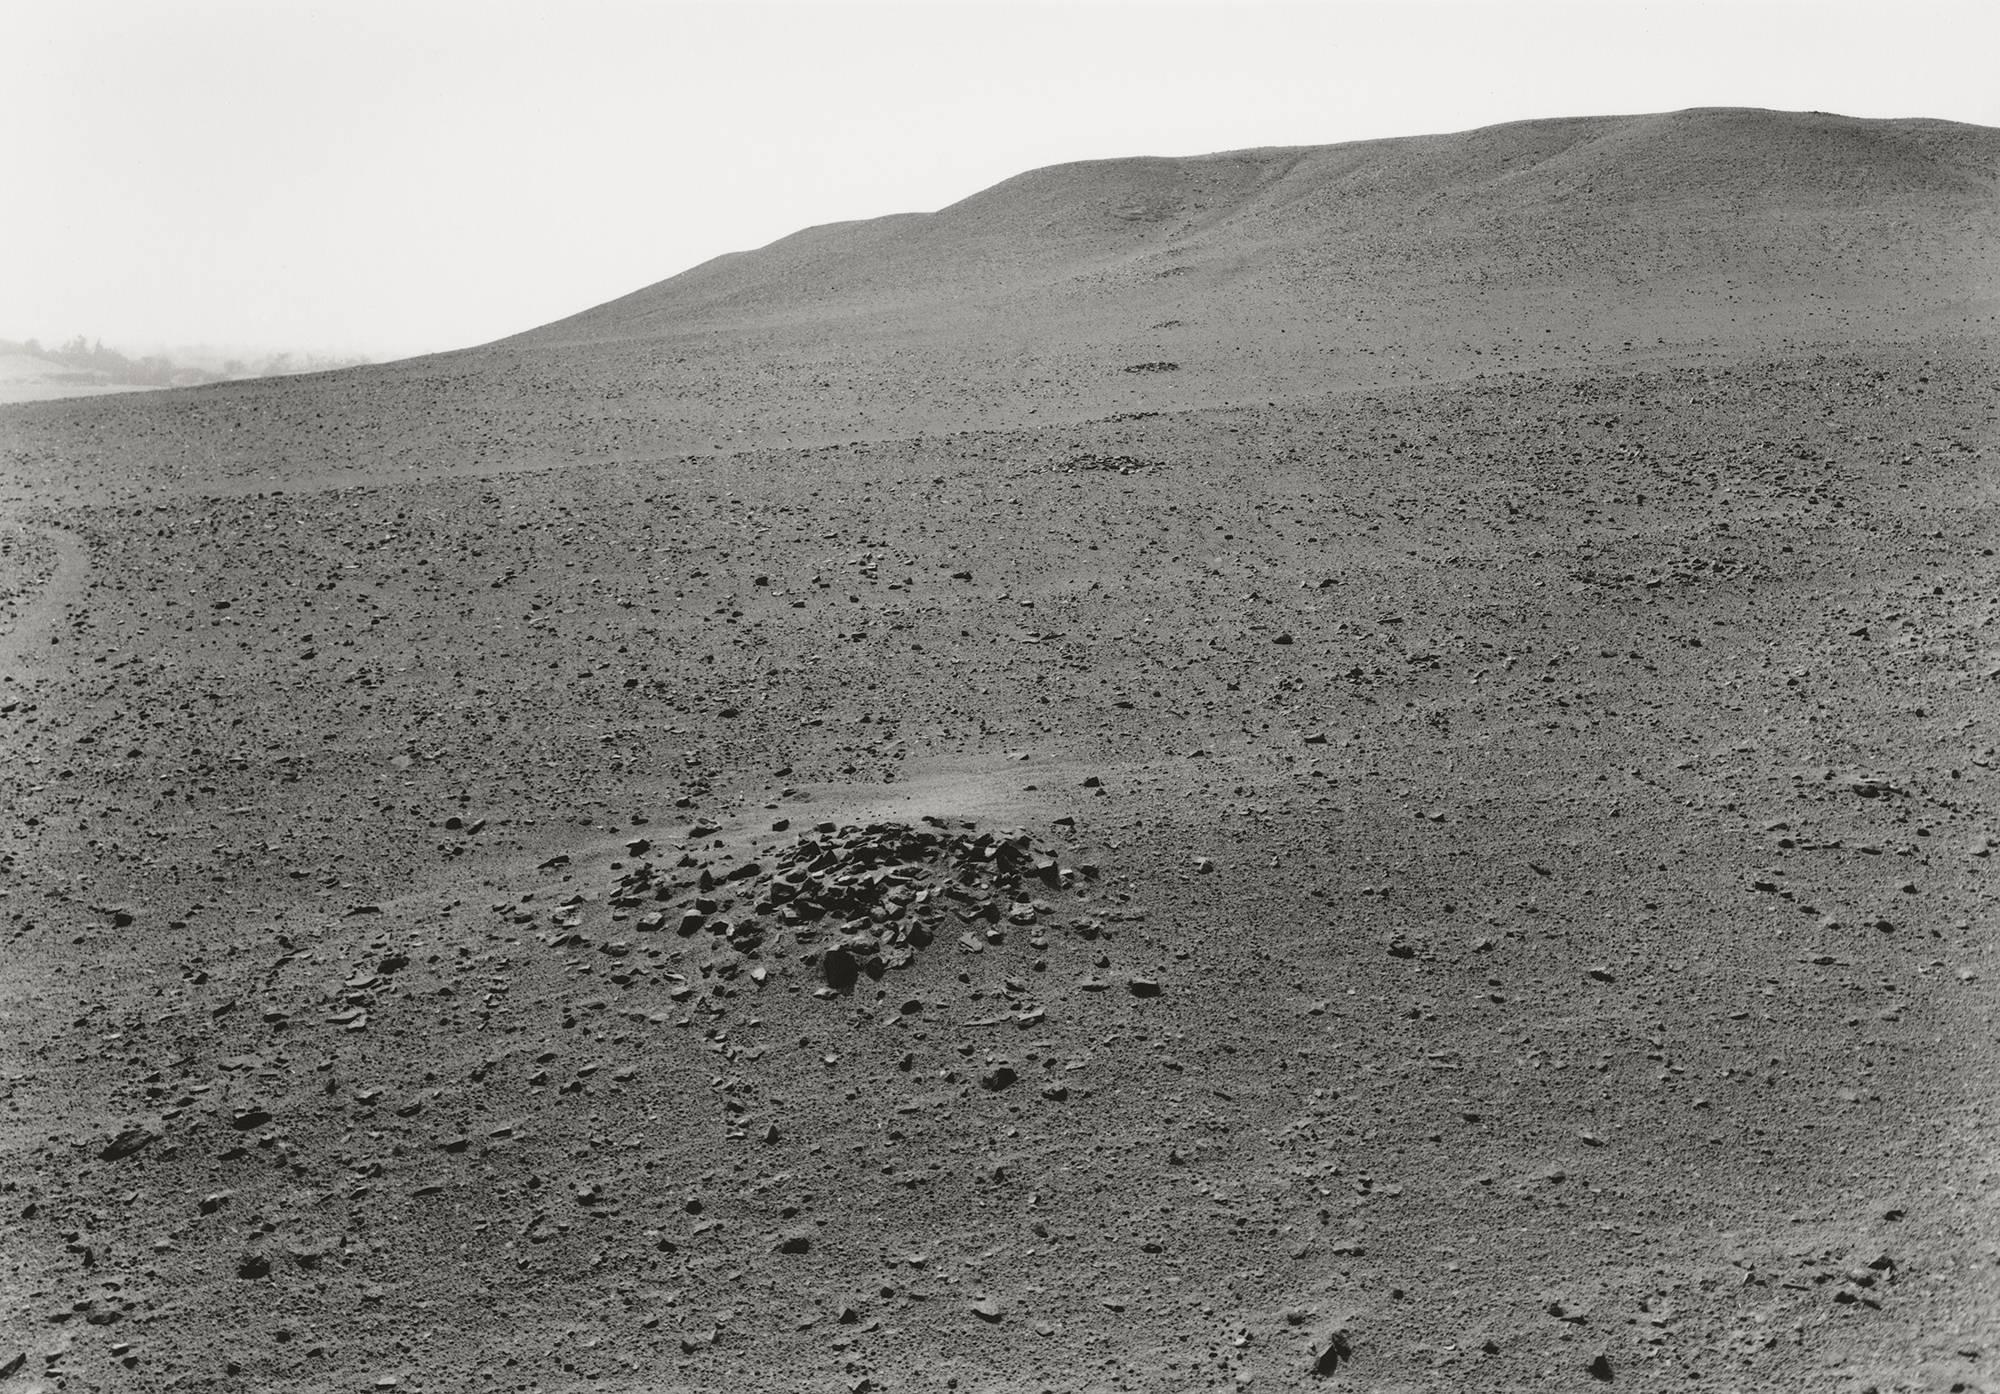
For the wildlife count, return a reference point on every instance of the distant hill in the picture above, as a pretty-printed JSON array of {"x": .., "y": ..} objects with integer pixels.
[
  {"x": 1462, "y": 251},
  {"x": 1119, "y": 287}
]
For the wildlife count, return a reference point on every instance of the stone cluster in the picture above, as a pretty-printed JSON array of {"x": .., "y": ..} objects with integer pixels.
[
  {"x": 856, "y": 900},
  {"x": 863, "y": 900}
]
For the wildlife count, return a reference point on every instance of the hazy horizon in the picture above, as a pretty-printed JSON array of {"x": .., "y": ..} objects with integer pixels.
[{"x": 173, "y": 349}]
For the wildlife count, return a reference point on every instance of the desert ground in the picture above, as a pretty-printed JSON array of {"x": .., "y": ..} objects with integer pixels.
[{"x": 1360, "y": 767}]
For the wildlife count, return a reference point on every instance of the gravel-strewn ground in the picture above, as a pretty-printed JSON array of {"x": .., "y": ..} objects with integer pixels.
[{"x": 1481, "y": 884}]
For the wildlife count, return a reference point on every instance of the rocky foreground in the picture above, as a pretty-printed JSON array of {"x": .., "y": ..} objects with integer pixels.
[{"x": 1112, "y": 878}]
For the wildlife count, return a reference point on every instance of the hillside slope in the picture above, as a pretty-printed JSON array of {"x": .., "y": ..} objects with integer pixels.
[
  {"x": 1072, "y": 293},
  {"x": 1697, "y": 202},
  {"x": 1278, "y": 275}
]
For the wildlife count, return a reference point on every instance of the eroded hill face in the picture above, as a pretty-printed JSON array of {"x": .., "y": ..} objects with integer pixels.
[
  {"x": 1481, "y": 883},
  {"x": 1507, "y": 211},
  {"x": 1274, "y": 274}
]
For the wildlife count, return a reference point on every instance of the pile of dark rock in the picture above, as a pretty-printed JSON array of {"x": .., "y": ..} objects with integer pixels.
[
  {"x": 863, "y": 900},
  {"x": 854, "y": 901}
]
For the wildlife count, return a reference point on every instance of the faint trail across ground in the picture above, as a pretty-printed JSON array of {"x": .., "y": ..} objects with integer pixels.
[{"x": 39, "y": 597}]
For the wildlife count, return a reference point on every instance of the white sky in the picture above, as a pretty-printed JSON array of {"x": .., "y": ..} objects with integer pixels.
[{"x": 397, "y": 176}]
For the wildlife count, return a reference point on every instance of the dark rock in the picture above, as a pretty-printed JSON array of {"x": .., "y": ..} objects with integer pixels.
[
  {"x": 128, "y": 1142},
  {"x": 1333, "y": 1354},
  {"x": 840, "y": 968}
]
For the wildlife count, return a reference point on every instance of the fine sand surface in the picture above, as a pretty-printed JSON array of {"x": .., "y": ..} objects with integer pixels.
[{"x": 1365, "y": 767}]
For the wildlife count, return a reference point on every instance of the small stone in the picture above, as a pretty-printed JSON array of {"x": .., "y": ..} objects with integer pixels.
[
  {"x": 998, "y": 1078},
  {"x": 1599, "y": 1368},
  {"x": 1329, "y": 1357},
  {"x": 988, "y": 1309},
  {"x": 126, "y": 1143},
  {"x": 1143, "y": 987}
]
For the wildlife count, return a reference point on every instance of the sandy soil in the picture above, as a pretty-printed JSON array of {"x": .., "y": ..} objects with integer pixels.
[{"x": 1489, "y": 875}]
